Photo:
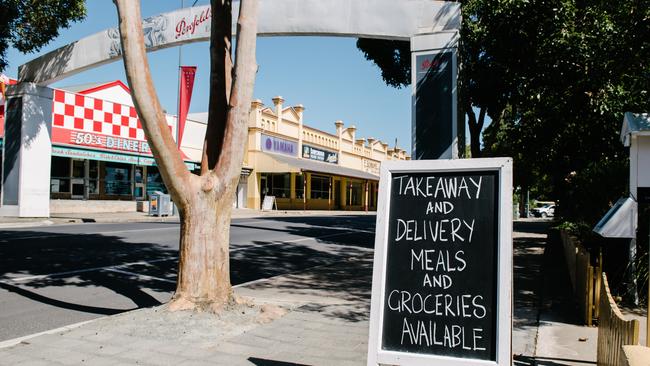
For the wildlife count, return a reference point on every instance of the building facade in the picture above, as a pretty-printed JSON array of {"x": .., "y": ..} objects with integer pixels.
[
  {"x": 306, "y": 168},
  {"x": 99, "y": 152}
]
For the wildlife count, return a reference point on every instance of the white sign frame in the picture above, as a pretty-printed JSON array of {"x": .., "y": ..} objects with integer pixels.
[
  {"x": 269, "y": 203},
  {"x": 378, "y": 356}
]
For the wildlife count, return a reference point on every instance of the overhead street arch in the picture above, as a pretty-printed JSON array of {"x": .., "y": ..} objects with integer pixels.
[
  {"x": 386, "y": 19},
  {"x": 431, "y": 26}
]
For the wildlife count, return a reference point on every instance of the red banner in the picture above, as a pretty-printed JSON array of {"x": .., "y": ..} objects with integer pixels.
[
  {"x": 184, "y": 98},
  {"x": 4, "y": 81}
]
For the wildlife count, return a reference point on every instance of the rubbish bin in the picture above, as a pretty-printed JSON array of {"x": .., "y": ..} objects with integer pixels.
[{"x": 159, "y": 204}]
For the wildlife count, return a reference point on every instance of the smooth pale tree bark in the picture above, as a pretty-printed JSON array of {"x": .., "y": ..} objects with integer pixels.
[{"x": 204, "y": 201}]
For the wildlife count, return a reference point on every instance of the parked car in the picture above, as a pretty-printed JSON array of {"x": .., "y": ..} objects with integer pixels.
[{"x": 544, "y": 211}]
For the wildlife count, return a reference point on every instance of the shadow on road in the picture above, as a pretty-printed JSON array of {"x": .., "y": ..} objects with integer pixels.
[{"x": 33, "y": 262}]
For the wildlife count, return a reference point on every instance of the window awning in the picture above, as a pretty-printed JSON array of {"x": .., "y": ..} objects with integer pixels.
[
  {"x": 289, "y": 164},
  {"x": 100, "y": 155}
]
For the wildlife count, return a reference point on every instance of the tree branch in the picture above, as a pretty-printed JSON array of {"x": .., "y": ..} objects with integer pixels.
[
  {"x": 152, "y": 118},
  {"x": 220, "y": 82},
  {"x": 228, "y": 166}
]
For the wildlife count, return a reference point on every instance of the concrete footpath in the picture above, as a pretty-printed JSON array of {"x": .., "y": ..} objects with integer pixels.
[{"x": 315, "y": 317}]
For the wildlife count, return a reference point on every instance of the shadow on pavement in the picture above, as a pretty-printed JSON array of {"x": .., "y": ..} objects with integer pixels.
[
  {"x": 264, "y": 362},
  {"x": 546, "y": 361}
]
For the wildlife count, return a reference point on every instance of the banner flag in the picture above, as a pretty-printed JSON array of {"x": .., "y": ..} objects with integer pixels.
[{"x": 184, "y": 98}]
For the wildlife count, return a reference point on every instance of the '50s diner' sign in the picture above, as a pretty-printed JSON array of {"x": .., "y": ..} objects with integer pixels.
[{"x": 106, "y": 142}]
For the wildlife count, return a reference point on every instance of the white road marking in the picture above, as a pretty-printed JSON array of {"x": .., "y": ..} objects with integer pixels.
[
  {"x": 58, "y": 274},
  {"x": 140, "y": 275},
  {"x": 15, "y": 341},
  {"x": 55, "y": 235}
]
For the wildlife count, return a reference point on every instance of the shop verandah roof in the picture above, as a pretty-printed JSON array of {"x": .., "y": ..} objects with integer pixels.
[{"x": 289, "y": 164}]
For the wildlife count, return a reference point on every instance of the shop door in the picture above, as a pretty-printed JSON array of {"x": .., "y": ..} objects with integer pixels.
[
  {"x": 263, "y": 189},
  {"x": 78, "y": 179},
  {"x": 336, "y": 193},
  {"x": 138, "y": 178}
]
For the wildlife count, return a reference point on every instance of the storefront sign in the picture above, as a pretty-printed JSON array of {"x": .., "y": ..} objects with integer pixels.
[
  {"x": 278, "y": 145},
  {"x": 371, "y": 166},
  {"x": 442, "y": 280},
  {"x": 313, "y": 153},
  {"x": 93, "y": 155},
  {"x": 189, "y": 26},
  {"x": 94, "y": 140},
  {"x": 107, "y": 156}
]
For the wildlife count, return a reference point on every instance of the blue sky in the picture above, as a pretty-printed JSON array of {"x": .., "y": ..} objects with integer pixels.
[{"x": 329, "y": 76}]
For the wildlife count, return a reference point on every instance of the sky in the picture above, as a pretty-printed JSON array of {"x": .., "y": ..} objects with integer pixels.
[{"x": 327, "y": 75}]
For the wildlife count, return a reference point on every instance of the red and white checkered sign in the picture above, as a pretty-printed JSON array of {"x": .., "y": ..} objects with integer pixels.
[
  {"x": 79, "y": 112},
  {"x": 84, "y": 121}
]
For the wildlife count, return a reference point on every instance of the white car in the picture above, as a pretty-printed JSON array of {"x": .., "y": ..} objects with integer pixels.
[{"x": 547, "y": 210}]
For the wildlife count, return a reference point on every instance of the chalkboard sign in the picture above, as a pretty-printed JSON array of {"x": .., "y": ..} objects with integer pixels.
[
  {"x": 443, "y": 263},
  {"x": 269, "y": 203}
]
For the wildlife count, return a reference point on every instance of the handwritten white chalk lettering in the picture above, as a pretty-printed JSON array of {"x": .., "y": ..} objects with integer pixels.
[
  {"x": 443, "y": 207},
  {"x": 430, "y": 333},
  {"x": 462, "y": 306},
  {"x": 445, "y": 187},
  {"x": 437, "y": 230},
  {"x": 440, "y": 280},
  {"x": 437, "y": 260}
]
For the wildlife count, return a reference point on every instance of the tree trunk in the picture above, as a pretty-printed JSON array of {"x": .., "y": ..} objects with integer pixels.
[
  {"x": 204, "y": 263},
  {"x": 475, "y": 143},
  {"x": 205, "y": 201},
  {"x": 475, "y": 128}
]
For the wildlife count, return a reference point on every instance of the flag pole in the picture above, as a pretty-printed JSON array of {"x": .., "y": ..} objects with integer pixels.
[
  {"x": 178, "y": 104},
  {"x": 178, "y": 90}
]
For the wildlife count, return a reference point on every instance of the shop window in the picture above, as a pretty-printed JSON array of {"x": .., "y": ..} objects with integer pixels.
[
  {"x": 60, "y": 175},
  {"x": 281, "y": 185},
  {"x": 300, "y": 185},
  {"x": 320, "y": 187},
  {"x": 154, "y": 181},
  {"x": 372, "y": 194},
  {"x": 278, "y": 185},
  {"x": 356, "y": 190},
  {"x": 93, "y": 177},
  {"x": 118, "y": 179}
]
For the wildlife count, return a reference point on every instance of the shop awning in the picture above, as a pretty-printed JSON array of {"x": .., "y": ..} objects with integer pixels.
[
  {"x": 289, "y": 164},
  {"x": 68, "y": 152}
]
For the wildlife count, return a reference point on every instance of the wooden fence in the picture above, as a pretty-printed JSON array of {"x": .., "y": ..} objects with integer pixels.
[
  {"x": 585, "y": 278},
  {"x": 613, "y": 330}
]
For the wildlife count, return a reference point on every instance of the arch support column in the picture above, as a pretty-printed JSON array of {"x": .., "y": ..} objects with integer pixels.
[{"x": 436, "y": 131}]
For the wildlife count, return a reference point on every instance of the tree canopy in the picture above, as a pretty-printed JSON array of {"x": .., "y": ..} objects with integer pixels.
[
  {"x": 555, "y": 78},
  {"x": 28, "y": 25}
]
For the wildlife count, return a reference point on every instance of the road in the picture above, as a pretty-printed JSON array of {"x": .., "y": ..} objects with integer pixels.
[{"x": 53, "y": 276}]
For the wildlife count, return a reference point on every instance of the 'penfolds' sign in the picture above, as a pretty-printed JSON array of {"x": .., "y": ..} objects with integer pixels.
[{"x": 184, "y": 27}]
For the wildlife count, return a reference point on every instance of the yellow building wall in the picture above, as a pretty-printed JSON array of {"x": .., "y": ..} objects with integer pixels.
[{"x": 363, "y": 154}]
